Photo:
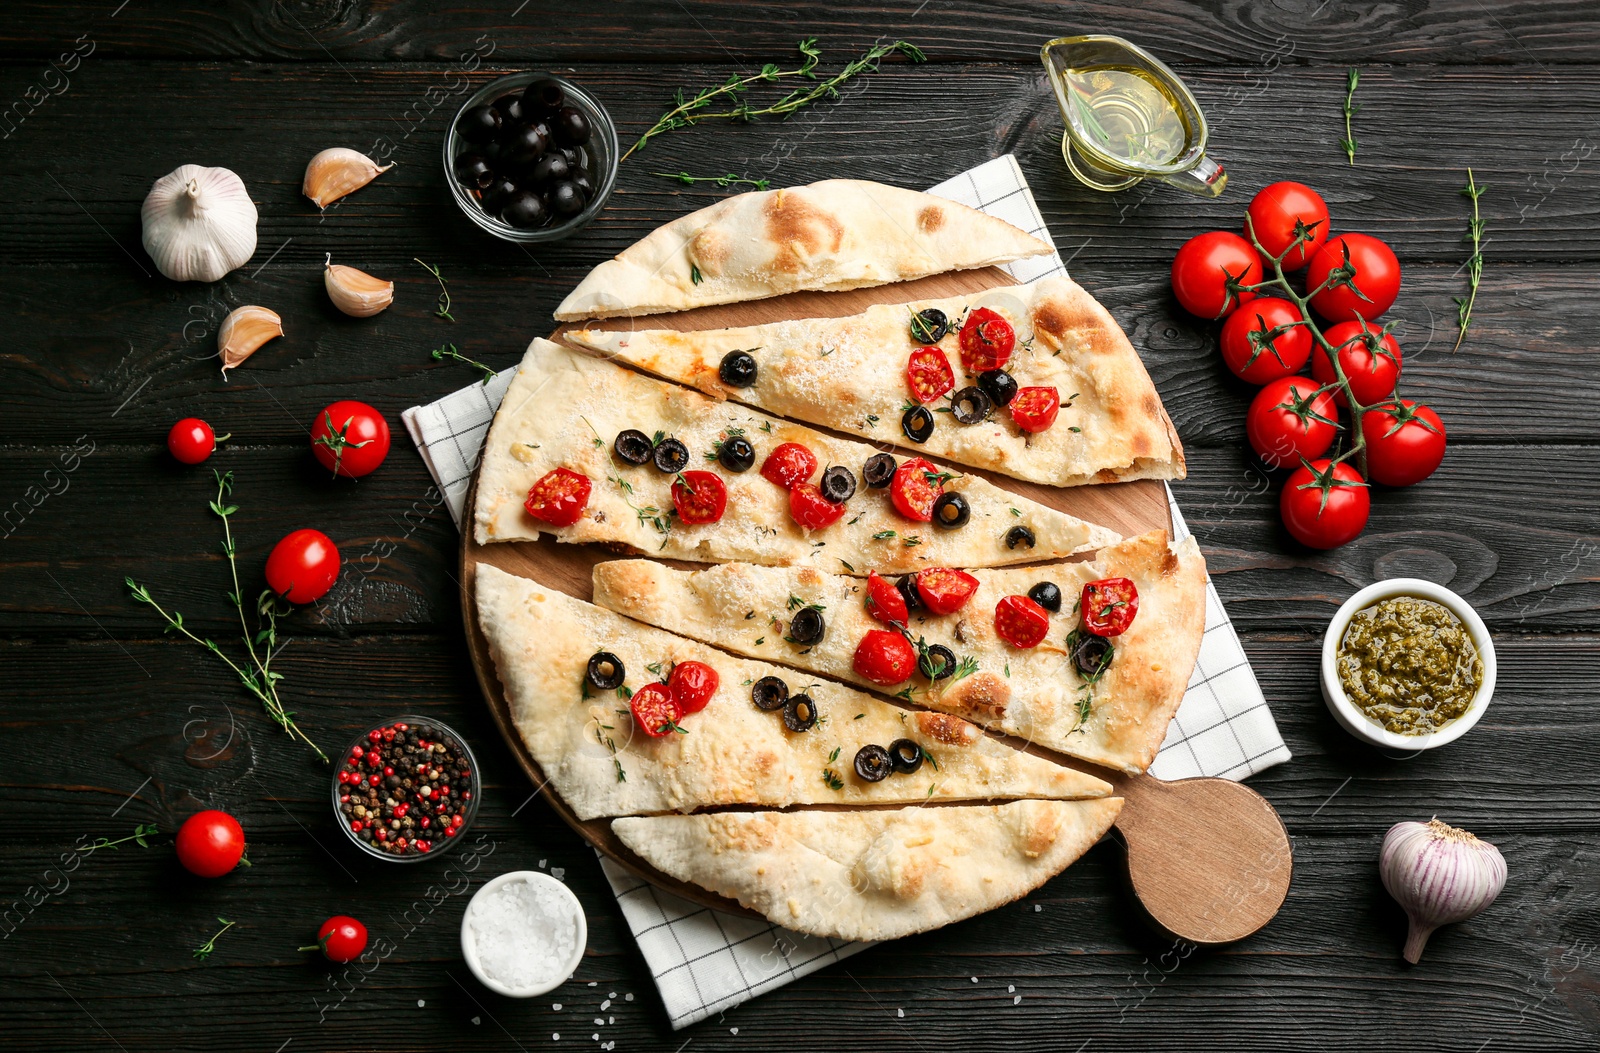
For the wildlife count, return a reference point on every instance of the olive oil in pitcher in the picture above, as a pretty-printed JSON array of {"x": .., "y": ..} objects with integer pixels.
[{"x": 1128, "y": 114}]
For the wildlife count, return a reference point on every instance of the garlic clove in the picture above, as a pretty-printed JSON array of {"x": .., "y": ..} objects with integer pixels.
[
  {"x": 243, "y": 332},
  {"x": 1440, "y": 875},
  {"x": 356, "y": 293},
  {"x": 199, "y": 223},
  {"x": 336, "y": 172}
]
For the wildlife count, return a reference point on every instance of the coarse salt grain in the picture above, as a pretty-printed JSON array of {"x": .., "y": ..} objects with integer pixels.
[{"x": 524, "y": 934}]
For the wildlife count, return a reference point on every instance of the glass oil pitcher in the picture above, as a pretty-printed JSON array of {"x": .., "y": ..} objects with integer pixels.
[{"x": 1128, "y": 117}]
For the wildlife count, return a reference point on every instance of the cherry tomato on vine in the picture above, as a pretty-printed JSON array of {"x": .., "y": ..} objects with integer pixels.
[
  {"x": 350, "y": 439},
  {"x": 1283, "y": 211},
  {"x": 1369, "y": 356},
  {"x": 1207, "y": 269},
  {"x": 1108, "y": 606},
  {"x": 303, "y": 566},
  {"x": 884, "y": 601},
  {"x": 884, "y": 657},
  {"x": 913, "y": 490},
  {"x": 1325, "y": 505},
  {"x": 558, "y": 497},
  {"x": 692, "y": 684},
  {"x": 1264, "y": 340},
  {"x": 699, "y": 497},
  {"x": 945, "y": 591},
  {"x": 987, "y": 341},
  {"x": 928, "y": 374},
  {"x": 1288, "y": 420},
  {"x": 810, "y": 509},
  {"x": 789, "y": 465},
  {"x": 655, "y": 711},
  {"x": 191, "y": 440},
  {"x": 1405, "y": 443},
  {"x": 1354, "y": 259},
  {"x": 1035, "y": 409},
  {"x": 1021, "y": 622},
  {"x": 210, "y": 843},
  {"x": 341, "y": 939}
]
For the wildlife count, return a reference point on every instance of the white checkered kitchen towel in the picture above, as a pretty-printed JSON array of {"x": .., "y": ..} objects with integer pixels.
[{"x": 705, "y": 961}]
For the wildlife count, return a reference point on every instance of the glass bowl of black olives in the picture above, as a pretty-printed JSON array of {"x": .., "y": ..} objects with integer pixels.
[{"x": 531, "y": 157}]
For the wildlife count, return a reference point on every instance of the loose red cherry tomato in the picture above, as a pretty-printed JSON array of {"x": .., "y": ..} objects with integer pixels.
[
  {"x": 1369, "y": 357},
  {"x": 945, "y": 591},
  {"x": 928, "y": 374},
  {"x": 1283, "y": 211},
  {"x": 702, "y": 500},
  {"x": 884, "y": 657},
  {"x": 1360, "y": 259},
  {"x": 1208, "y": 269},
  {"x": 1287, "y": 420},
  {"x": 1108, "y": 606},
  {"x": 558, "y": 497},
  {"x": 210, "y": 843},
  {"x": 987, "y": 341},
  {"x": 789, "y": 465},
  {"x": 655, "y": 711},
  {"x": 1265, "y": 340},
  {"x": 1325, "y": 505},
  {"x": 692, "y": 684},
  {"x": 884, "y": 601},
  {"x": 350, "y": 439},
  {"x": 340, "y": 939},
  {"x": 1035, "y": 409},
  {"x": 914, "y": 488},
  {"x": 1405, "y": 443},
  {"x": 1021, "y": 622},
  {"x": 303, "y": 566},
  {"x": 191, "y": 440},
  {"x": 810, "y": 509}
]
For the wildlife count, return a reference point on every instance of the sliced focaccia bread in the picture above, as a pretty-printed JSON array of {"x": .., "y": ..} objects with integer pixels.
[
  {"x": 1078, "y": 404},
  {"x": 604, "y": 743},
  {"x": 836, "y": 234},
  {"x": 1063, "y": 692},
  {"x": 873, "y": 875},
  {"x": 557, "y": 460}
]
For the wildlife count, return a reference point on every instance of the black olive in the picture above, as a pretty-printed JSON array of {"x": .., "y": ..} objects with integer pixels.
[
  {"x": 1020, "y": 535},
  {"x": 1000, "y": 386},
  {"x": 633, "y": 447},
  {"x": 936, "y": 661},
  {"x": 799, "y": 713},
  {"x": 510, "y": 109},
  {"x": 605, "y": 671},
  {"x": 873, "y": 763},
  {"x": 543, "y": 96},
  {"x": 929, "y": 325},
  {"x": 1092, "y": 654},
  {"x": 479, "y": 124},
  {"x": 671, "y": 456},
  {"x": 907, "y": 756},
  {"x": 524, "y": 149},
  {"x": 474, "y": 170},
  {"x": 1046, "y": 594},
  {"x": 807, "y": 626},
  {"x": 907, "y": 587},
  {"x": 580, "y": 179},
  {"x": 551, "y": 168},
  {"x": 738, "y": 369},
  {"x": 769, "y": 693},
  {"x": 838, "y": 484},
  {"x": 566, "y": 199},
  {"x": 498, "y": 194},
  {"x": 878, "y": 471},
  {"x": 951, "y": 510},
  {"x": 971, "y": 406},
  {"x": 736, "y": 454},
  {"x": 524, "y": 209},
  {"x": 917, "y": 423},
  {"x": 577, "y": 157},
  {"x": 570, "y": 126}
]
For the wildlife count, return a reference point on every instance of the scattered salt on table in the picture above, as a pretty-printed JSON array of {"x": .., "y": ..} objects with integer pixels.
[{"x": 525, "y": 934}]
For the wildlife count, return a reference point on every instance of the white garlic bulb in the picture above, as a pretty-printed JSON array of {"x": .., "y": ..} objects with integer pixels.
[
  {"x": 199, "y": 223},
  {"x": 336, "y": 172},
  {"x": 355, "y": 292}
]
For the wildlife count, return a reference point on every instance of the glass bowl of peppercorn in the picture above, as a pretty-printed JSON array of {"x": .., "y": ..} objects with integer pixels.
[{"x": 406, "y": 789}]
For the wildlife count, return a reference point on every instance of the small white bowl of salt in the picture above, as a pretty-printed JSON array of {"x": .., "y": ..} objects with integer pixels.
[{"x": 523, "y": 934}]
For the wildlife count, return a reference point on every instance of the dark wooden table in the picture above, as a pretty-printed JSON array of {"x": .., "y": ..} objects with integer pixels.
[{"x": 108, "y": 723}]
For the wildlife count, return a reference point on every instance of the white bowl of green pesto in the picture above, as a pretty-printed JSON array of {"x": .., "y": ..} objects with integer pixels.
[{"x": 1403, "y": 680}]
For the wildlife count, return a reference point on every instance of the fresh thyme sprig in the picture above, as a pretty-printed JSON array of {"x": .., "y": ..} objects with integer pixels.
[
  {"x": 140, "y": 832},
  {"x": 689, "y": 112},
  {"x": 204, "y": 950},
  {"x": 1350, "y": 110},
  {"x": 443, "y": 310},
  {"x": 731, "y": 179},
  {"x": 1474, "y": 263},
  {"x": 449, "y": 351}
]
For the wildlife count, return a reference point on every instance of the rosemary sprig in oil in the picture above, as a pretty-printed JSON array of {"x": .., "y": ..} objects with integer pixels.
[
  {"x": 1350, "y": 110},
  {"x": 1474, "y": 262}
]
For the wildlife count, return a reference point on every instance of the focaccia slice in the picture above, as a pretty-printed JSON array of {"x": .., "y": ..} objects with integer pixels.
[
  {"x": 873, "y": 875},
  {"x": 1037, "y": 694},
  {"x": 730, "y": 753},
  {"x": 850, "y": 374},
  {"x": 836, "y": 234},
  {"x": 565, "y": 409}
]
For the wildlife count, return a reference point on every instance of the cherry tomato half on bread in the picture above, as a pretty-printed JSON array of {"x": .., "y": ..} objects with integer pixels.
[
  {"x": 1264, "y": 340},
  {"x": 943, "y": 590},
  {"x": 884, "y": 601},
  {"x": 1021, "y": 622},
  {"x": 210, "y": 843},
  {"x": 1369, "y": 357},
  {"x": 1405, "y": 443},
  {"x": 1206, "y": 271},
  {"x": 340, "y": 939},
  {"x": 1035, "y": 409},
  {"x": 1108, "y": 606},
  {"x": 191, "y": 440},
  {"x": 655, "y": 711},
  {"x": 1288, "y": 420},
  {"x": 1325, "y": 505},
  {"x": 350, "y": 439},
  {"x": 699, "y": 497},
  {"x": 692, "y": 684},
  {"x": 810, "y": 509},
  {"x": 558, "y": 497},
  {"x": 1360, "y": 260},
  {"x": 1284, "y": 211},
  {"x": 789, "y": 465},
  {"x": 884, "y": 657},
  {"x": 303, "y": 566},
  {"x": 914, "y": 488},
  {"x": 987, "y": 341},
  {"x": 928, "y": 374}
]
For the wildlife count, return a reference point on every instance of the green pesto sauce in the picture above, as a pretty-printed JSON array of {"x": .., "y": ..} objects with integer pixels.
[{"x": 1409, "y": 665}]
